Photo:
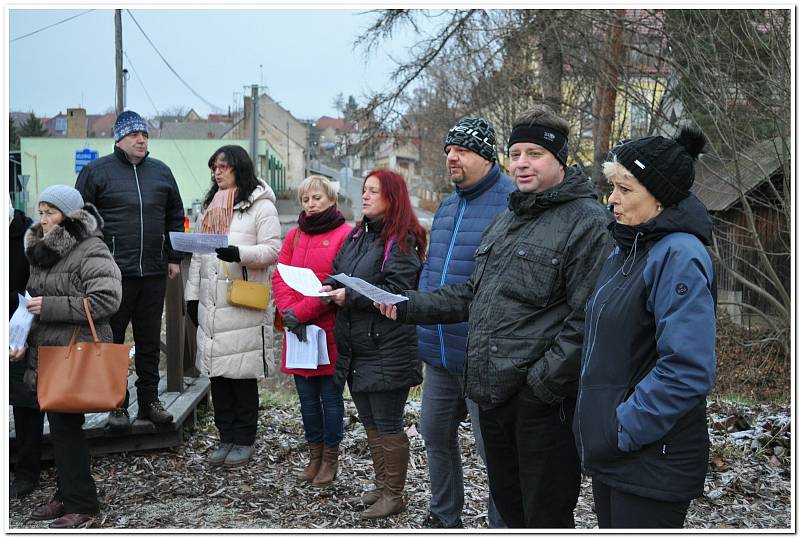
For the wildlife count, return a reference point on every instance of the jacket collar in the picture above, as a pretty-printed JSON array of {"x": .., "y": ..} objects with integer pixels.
[
  {"x": 530, "y": 204},
  {"x": 124, "y": 158},
  {"x": 46, "y": 249},
  {"x": 486, "y": 182}
]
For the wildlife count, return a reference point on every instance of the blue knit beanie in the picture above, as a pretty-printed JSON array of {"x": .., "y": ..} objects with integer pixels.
[
  {"x": 65, "y": 198},
  {"x": 128, "y": 122}
]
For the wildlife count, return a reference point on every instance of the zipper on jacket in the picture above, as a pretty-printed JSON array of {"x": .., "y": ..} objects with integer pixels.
[
  {"x": 113, "y": 245},
  {"x": 445, "y": 266},
  {"x": 141, "y": 221},
  {"x": 264, "y": 351},
  {"x": 590, "y": 337}
]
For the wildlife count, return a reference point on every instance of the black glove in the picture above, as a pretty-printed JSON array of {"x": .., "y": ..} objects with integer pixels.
[
  {"x": 402, "y": 311},
  {"x": 191, "y": 311},
  {"x": 291, "y": 322},
  {"x": 228, "y": 254}
]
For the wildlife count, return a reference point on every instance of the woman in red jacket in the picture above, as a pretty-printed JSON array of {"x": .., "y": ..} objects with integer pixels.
[{"x": 314, "y": 244}]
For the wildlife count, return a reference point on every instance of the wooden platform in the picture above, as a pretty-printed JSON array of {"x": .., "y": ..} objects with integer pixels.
[{"x": 143, "y": 434}]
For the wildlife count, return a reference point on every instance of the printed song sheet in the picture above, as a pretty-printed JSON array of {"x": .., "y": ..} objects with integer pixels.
[
  {"x": 309, "y": 354},
  {"x": 197, "y": 243},
  {"x": 20, "y": 324},
  {"x": 368, "y": 290},
  {"x": 301, "y": 279}
]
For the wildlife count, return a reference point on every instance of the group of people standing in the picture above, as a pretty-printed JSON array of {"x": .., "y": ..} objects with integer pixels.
[{"x": 560, "y": 328}]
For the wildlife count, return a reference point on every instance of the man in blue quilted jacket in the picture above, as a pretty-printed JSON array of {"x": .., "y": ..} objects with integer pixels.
[{"x": 481, "y": 192}]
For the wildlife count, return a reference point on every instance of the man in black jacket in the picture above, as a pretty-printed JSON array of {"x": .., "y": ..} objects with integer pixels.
[
  {"x": 534, "y": 269},
  {"x": 138, "y": 198}
]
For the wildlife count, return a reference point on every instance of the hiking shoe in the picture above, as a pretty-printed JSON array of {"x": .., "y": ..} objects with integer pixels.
[
  {"x": 218, "y": 456},
  {"x": 155, "y": 413},
  {"x": 119, "y": 419},
  {"x": 239, "y": 455},
  {"x": 72, "y": 521},
  {"x": 433, "y": 522},
  {"x": 51, "y": 510}
]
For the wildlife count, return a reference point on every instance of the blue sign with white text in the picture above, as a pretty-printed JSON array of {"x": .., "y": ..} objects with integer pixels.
[{"x": 83, "y": 157}]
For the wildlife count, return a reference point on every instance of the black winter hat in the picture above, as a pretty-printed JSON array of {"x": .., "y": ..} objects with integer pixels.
[
  {"x": 475, "y": 134},
  {"x": 665, "y": 166}
]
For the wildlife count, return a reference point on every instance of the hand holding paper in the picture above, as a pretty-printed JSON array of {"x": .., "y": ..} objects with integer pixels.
[
  {"x": 301, "y": 279},
  {"x": 368, "y": 290}
]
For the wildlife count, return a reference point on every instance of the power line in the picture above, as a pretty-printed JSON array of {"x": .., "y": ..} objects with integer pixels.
[
  {"x": 213, "y": 106},
  {"x": 49, "y": 26},
  {"x": 141, "y": 82}
]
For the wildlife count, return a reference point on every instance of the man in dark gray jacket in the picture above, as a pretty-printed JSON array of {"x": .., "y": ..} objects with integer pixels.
[
  {"x": 534, "y": 269},
  {"x": 138, "y": 198}
]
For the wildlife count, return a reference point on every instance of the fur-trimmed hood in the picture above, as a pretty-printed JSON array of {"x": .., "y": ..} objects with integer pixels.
[{"x": 44, "y": 250}]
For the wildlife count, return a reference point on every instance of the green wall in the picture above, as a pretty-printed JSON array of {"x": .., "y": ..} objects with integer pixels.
[{"x": 51, "y": 161}]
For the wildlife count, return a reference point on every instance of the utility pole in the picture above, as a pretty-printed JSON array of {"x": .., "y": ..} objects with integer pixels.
[
  {"x": 118, "y": 58},
  {"x": 254, "y": 123}
]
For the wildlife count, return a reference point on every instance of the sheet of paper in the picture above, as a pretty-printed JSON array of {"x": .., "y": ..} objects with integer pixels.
[
  {"x": 20, "y": 323},
  {"x": 197, "y": 243},
  {"x": 309, "y": 354},
  {"x": 301, "y": 279},
  {"x": 368, "y": 290}
]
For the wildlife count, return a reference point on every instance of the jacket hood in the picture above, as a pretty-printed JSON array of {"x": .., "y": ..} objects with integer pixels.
[
  {"x": 576, "y": 185},
  {"x": 688, "y": 216},
  {"x": 46, "y": 249},
  {"x": 262, "y": 190},
  {"x": 19, "y": 224}
]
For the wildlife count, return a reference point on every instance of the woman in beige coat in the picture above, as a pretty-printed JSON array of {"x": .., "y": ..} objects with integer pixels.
[{"x": 234, "y": 343}]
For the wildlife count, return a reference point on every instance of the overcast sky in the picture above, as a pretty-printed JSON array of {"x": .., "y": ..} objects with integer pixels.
[{"x": 307, "y": 58}]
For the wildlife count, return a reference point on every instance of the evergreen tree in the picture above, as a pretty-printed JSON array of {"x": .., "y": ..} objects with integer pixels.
[{"x": 32, "y": 127}]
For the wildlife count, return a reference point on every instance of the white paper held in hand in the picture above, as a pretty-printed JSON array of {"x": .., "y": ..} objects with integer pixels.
[
  {"x": 20, "y": 323},
  {"x": 301, "y": 279},
  {"x": 197, "y": 243},
  {"x": 309, "y": 354},
  {"x": 368, "y": 290}
]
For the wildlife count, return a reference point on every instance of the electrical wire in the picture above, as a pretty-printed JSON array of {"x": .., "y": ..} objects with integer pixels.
[
  {"x": 177, "y": 147},
  {"x": 49, "y": 26},
  {"x": 214, "y": 107}
]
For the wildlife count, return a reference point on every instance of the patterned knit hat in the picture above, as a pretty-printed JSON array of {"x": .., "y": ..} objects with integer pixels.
[
  {"x": 475, "y": 134},
  {"x": 65, "y": 198},
  {"x": 665, "y": 166},
  {"x": 128, "y": 122}
]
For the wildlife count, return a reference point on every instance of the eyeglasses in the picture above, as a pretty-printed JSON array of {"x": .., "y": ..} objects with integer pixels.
[{"x": 222, "y": 167}]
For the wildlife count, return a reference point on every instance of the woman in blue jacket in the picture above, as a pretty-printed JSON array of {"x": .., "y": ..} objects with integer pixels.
[{"x": 648, "y": 358}]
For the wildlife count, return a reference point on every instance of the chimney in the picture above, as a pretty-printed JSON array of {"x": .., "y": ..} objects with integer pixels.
[{"x": 76, "y": 123}]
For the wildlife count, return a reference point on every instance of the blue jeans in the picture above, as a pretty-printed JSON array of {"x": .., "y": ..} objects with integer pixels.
[
  {"x": 382, "y": 411},
  {"x": 443, "y": 409},
  {"x": 322, "y": 408}
]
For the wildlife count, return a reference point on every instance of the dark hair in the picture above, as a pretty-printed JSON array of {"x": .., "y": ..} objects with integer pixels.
[
  {"x": 399, "y": 218},
  {"x": 243, "y": 171},
  {"x": 540, "y": 114}
]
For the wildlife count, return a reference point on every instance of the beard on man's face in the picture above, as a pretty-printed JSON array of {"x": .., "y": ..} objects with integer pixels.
[{"x": 457, "y": 177}]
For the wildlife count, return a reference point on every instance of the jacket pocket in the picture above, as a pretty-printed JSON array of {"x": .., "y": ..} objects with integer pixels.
[
  {"x": 509, "y": 359},
  {"x": 481, "y": 258},
  {"x": 534, "y": 274},
  {"x": 596, "y": 423}
]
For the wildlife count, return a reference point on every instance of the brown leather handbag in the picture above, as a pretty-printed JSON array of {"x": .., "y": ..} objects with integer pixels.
[{"x": 83, "y": 377}]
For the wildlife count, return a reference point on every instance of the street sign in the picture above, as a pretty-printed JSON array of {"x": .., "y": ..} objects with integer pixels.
[{"x": 83, "y": 157}]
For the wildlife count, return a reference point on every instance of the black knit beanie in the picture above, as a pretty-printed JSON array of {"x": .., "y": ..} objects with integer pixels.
[
  {"x": 665, "y": 166},
  {"x": 475, "y": 134}
]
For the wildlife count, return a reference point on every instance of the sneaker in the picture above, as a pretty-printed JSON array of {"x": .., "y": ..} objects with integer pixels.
[
  {"x": 20, "y": 488},
  {"x": 239, "y": 455},
  {"x": 155, "y": 413},
  {"x": 119, "y": 419},
  {"x": 218, "y": 456},
  {"x": 433, "y": 522}
]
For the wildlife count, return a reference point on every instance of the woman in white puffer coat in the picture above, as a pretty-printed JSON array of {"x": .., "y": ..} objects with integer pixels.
[{"x": 234, "y": 343}]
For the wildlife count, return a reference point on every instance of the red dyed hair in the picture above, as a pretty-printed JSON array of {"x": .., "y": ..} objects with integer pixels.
[{"x": 399, "y": 218}]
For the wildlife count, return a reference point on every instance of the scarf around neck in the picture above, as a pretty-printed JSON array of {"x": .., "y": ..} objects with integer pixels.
[{"x": 321, "y": 222}]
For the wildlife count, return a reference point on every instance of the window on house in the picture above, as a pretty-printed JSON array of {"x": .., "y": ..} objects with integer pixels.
[
  {"x": 61, "y": 124},
  {"x": 638, "y": 121}
]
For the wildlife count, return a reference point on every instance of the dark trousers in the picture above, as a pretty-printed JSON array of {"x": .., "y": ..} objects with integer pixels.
[
  {"x": 322, "y": 409},
  {"x": 533, "y": 466},
  {"x": 618, "y": 510},
  {"x": 382, "y": 411},
  {"x": 28, "y": 422},
  {"x": 235, "y": 409},
  {"x": 75, "y": 483},
  {"x": 142, "y": 305}
]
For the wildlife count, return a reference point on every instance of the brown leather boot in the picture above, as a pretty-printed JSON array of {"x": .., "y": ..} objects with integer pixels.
[
  {"x": 311, "y": 470},
  {"x": 376, "y": 450},
  {"x": 327, "y": 471},
  {"x": 395, "y": 455}
]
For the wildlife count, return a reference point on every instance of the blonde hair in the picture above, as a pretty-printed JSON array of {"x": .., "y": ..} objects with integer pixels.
[
  {"x": 613, "y": 169},
  {"x": 317, "y": 182}
]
